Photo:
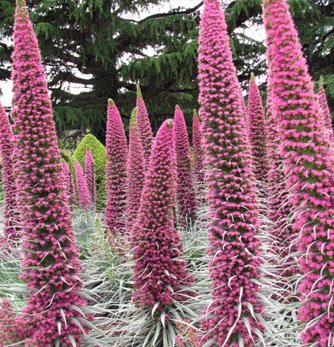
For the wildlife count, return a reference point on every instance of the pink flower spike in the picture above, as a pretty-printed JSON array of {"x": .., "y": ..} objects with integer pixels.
[
  {"x": 198, "y": 149},
  {"x": 51, "y": 265},
  {"x": 82, "y": 187},
  {"x": 144, "y": 126},
  {"x": 90, "y": 177},
  {"x": 8, "y": 179},
  {"x": 257, "y": 131},
  {"x": 117, "y": 156},
  {"x": 325, "y": 109},
  {"x": 234, "y": 257},
  {"x": 185, "y": 193},
  {"x": 309, "y": 171},
  {"x": 135, "y": 173},
  {"x": 158, "y": 271}
]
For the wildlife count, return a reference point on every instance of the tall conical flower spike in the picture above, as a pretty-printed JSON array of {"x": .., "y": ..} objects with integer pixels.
[
  {"x": 283, "y": 237},
  {"x": 8, "y": 179},
  {"x": 67, "y": 179},
  {"x": 198, "y": 149},
  {"x": 306, "y": 151},
  {"x": 156, "y": 243},
  {"x": 325, "y": 109},
  {"x": 257, "y": 131},
  {"x": 234, "y": 244},
  {"x": 243, "y": 106},
  {"x": 48, "y": 238},
  {"x": 90, "y": 177},
  {"x": 144, "y": 126},
  {"x": 82, "y": 187},
  {"x": 117, "y": 155},
  {"x": 185, "y": 193},
  {"x": 135, "y": 173}
]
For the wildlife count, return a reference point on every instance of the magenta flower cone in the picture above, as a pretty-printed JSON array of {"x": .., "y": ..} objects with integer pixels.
[
  {"x": 90, "y": 177},
  {"x": 185, "y": 192},
  {"x": 257, "y": 131},
  {"x": 325, "y": 110},
  {"x": 233, "y": 316},
  {"x": 51, "y": 258},
  {"x": 309, "y": 164},
  {"x": 8, "y": 179},
  {"x": 135, "y": 173},
  {"x": 159, "y": 273},
  {"x": 82, "y": 187},
  {"x": 144, "y": 126},
  {"x": 117, "y": 155},
  {"x": 198, "y": 149}
]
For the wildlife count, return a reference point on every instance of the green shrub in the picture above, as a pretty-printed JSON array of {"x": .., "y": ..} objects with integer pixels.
[{"x": 100, "y": 159}]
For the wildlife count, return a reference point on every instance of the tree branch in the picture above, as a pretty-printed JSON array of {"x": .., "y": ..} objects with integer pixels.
[{"x": 167, "y": 14}]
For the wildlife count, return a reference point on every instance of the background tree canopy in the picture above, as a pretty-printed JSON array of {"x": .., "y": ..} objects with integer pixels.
[{"x": 93, "y": 44}]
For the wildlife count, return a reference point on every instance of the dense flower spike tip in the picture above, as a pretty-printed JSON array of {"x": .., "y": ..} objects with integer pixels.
[
  {"x": 158, "y": 271},
  {"x": 8, "y": 179},
  {"x": 135, "y": 172},
  {"x": 82, "y": 187},
  {"x": 257, "y": 131},
  {"x": 144, "y": 126},
  {"x": 117, "y": 155},
  {"x": 51, "y": 266},
  {"x": 185, "y": 192},
  {"x": 309, "y": 169},
  {"x": 90, "y": 176},
  {"x": 325, "y": 109},
  {"x": 233, "y": 315},
  {"x": 198, "y": 149}
]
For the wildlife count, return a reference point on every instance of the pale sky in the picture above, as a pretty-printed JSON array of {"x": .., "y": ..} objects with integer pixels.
[{"x": 255, "y": 32}]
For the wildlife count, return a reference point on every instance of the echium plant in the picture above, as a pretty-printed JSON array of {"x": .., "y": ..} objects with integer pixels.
[
  {"x": 144, "y": 126},
  {"x": 135, "y": 172},
  {"x": 84, "y": 197},
  {"x": 69, "y": 183},
  {"x": 198, "y": 149},
  {"x": 326, "y": 113},
  {"x": 8, "y": 179},
  {"x": 257, "y": 131},
  {"x": 186, "y": 200},
  {"x": 233, "y": 316},
  {"x": 90, "y": 176},
  {"x": 159, "y": 272},
  {"x": 117, "y": 156},
  {"x": 283, "y": 238},
  {"x": 51, "y": 258},
  {"x": 309, "y": 168}
]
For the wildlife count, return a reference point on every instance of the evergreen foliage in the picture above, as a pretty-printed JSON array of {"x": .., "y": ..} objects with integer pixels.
[
  {"x": 100, "y": 158},
  {"x": 110, "y": 52}
]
